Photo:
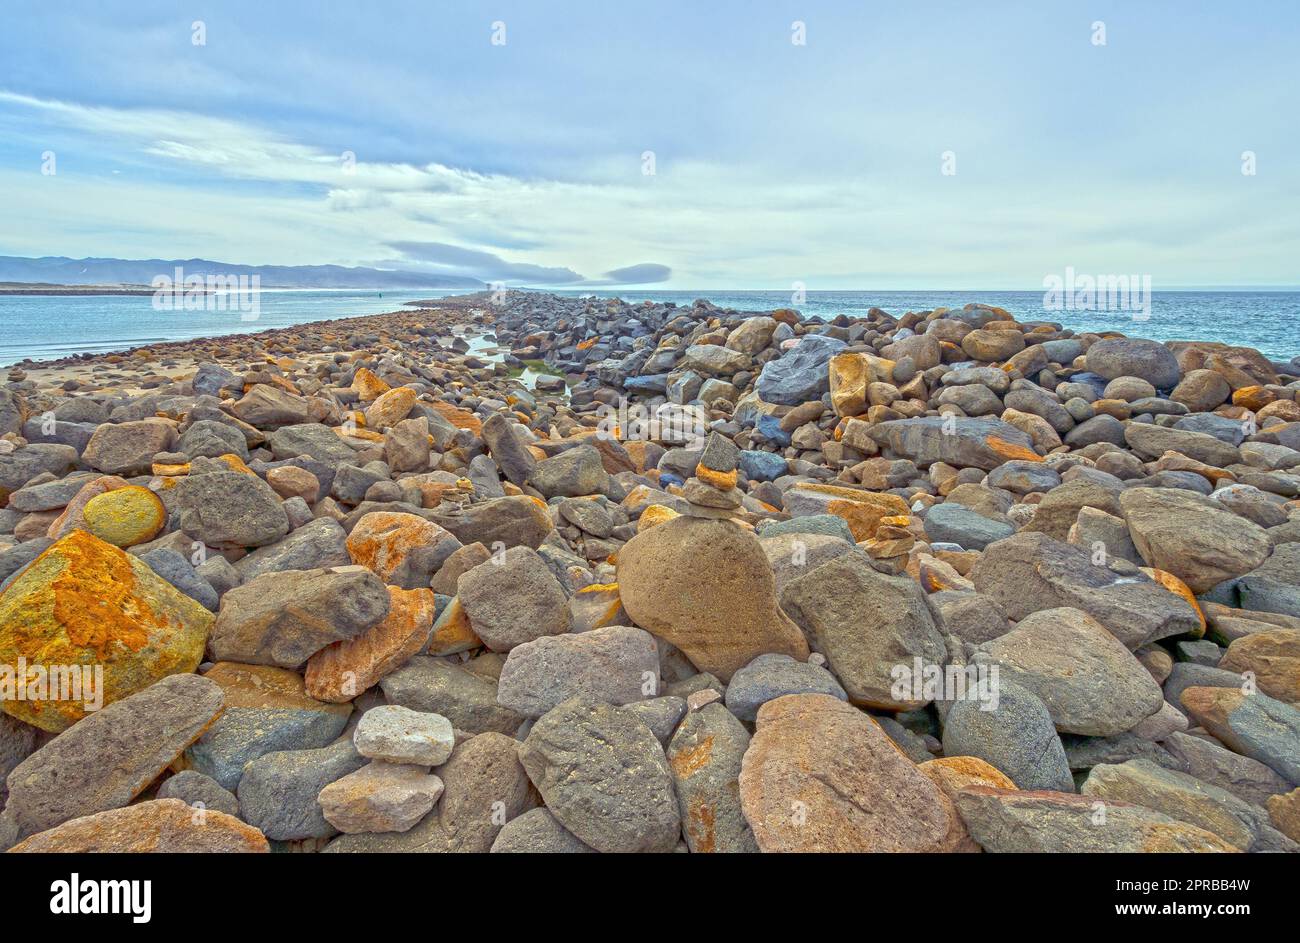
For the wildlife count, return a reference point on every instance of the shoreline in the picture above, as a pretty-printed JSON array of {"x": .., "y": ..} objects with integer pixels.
[{"x": 983, "y": 573}]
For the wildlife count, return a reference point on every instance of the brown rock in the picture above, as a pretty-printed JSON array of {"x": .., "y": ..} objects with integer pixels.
[
  {"x": 820, "y": 775},
  {"x": 345, "y": 669},
  {"x": 706, "y": 587},
  {"x": 167, "y": 826}
]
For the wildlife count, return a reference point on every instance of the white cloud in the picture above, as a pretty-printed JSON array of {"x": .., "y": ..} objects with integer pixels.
[{"x": 235, "y": 191}]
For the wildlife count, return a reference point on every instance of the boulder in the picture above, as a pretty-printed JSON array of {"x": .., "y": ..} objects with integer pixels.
[{"x": 706, "y": 587}]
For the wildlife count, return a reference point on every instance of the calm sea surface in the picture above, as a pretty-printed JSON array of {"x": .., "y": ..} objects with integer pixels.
[{"x": 43, "y": 327}]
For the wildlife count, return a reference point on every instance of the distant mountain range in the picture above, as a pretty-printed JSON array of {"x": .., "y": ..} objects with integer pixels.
[{"x": 59, "y": 270}]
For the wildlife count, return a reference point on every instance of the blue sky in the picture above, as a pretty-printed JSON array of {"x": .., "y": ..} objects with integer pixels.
[{"x": 774, "y": 163}]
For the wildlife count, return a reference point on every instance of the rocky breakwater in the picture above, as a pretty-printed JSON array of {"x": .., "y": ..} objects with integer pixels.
[{"x": 721, "y": 581}]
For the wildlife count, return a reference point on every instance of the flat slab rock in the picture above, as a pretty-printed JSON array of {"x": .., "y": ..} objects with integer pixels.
[
  {"x": 1006, "y": 821},
  {"x": 164, "y": 826},
  {"x": 110, "y": 756}
]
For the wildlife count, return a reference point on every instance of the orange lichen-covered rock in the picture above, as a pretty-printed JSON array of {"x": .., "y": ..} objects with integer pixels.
[
  {"x": 597, "y": 606},
  {"x": 460, "y": 418},
  {"x": 850, "y": 374},
  {"x": 821, "y": 775},
  {"x": 163, "y": 826},
  {"x": 1253, "y": 397},
  {"x": 398, "y": 547},
  {"x": 723, "y": 481},
  {"x": 654, "y": 514},
  {"x": 1178, "y": 588},
  {"x": 390, "y": 408},
  {"x": 452, "y": 632},
  {"x": 367, "y": 386},
  {"x": 85, "y": 602},
  {"x": 863, "y": 510},
  {"x": 951, "y": 773},
  {"x": 344, "y": 670},
  {"x": 125, "y": 516}
]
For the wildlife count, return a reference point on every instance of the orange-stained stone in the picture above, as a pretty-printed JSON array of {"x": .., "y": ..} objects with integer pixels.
[
  {"x": 344, "y": 670},
  {"x": 265, "y": 687},
  {"x": 382, "y": 540},
  {"x": 1011, "y": 451},
  {"x": 368, "y": 386},
  {"x": 1178, "y": 588},
  {"x": 1253, "y": 397},
  {"x": 452, "y": 632},
  {"x": 236, "y": 463},
  {"x": 654, "y": 514},
  {"x": 723, "y": 481},
  {"x": 166, "y": 826},
  {"x": 390, "y": 408},
  {"x": 460, "y": 418},
  {"x": 863, "y": 510},
  {"x": 597, "y": 606},
  {"x": 85, "y": 602},
  {"x": 170, "y": 469}
]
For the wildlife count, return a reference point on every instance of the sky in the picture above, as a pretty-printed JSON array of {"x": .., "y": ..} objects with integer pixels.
[{"x": 921, "y": 145}]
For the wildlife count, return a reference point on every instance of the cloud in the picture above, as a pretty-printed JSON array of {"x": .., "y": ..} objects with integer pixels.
[
  {"x": 486, "y": 266},
  {"x": 643, "y": 273}
]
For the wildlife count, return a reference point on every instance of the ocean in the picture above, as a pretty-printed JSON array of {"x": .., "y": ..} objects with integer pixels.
[{"x": 46, "y": 327}]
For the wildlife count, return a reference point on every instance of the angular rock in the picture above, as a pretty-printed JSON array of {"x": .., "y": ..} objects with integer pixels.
[
  {"x": 397, "y": 734},
  {"x": 285, "y": 617},
  {"x": 866, "y": 623},
  {"x": 165, "y": 826},
  {"x": 278, "y": 792},
  {"x": 1090, "y": 683},
  {"x": 705, "y": 757},
  {"x": 112, "y": 755},
  {"x": 84, "y": 602},
  {"x": 230, "y": 509},
  {"x": 267, "y": 710},
  {"x": 1192, "y": 537},
  {"x": 344, "y": 670},
  {"x": 963, "y": 443},
  {"x": 1003, "y": 821},
  {"x": 380, "y": 797},
  {"x": 467, "y": 699},
  {"x": 1029, "y": 572},
  {"x": 513, "y": 598}
]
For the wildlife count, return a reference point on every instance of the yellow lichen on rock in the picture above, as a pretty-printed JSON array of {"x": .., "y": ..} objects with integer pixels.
[
  {"x": 85, "y": 603},
  {"x": 126, "y": 516}
]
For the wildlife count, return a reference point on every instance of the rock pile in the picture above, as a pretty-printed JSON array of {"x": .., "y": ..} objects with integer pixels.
[{"x": 698, "y": 579}]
